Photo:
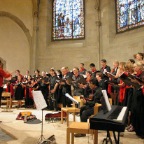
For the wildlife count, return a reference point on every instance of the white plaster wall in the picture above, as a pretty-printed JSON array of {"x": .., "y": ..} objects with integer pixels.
[
  {"x": 21, "y": 9},
  {"x": 14, "y": 45}
]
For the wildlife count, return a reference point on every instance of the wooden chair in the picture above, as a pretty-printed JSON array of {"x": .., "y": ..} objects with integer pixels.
[
  {"x": 15, "y": 102},
  {"x": 77, "y": 98},
  {"x": 98, "y": 105},
  {"x": 8, "y": 101},
  {"x": 82, "y": 128},
  {"x": 72, "y": 109},
  {"x": 68, "y": 110}
]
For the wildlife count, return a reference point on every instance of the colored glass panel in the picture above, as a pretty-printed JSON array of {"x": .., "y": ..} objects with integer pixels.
[
  {"x": 130, "y": 14},
  {"x": 68, "y": 19}
]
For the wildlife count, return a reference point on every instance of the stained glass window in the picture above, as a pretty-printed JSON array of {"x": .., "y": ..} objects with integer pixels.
[
  {"x": 68, "y": 19},
  {"x": 130, "y": 14}
]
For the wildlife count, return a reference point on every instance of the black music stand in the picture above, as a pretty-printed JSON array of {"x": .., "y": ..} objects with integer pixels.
[
  {"x": 41, "y": 139},
  {"x": 40, "y": 105}
]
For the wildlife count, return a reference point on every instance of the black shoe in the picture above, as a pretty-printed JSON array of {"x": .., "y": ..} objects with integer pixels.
[
  {"x": 140, "y": 136},
  {"x": 80, "y": 135}
]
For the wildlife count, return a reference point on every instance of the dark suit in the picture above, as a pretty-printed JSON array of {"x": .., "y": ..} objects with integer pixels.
[{"x": 88, "y": 109}]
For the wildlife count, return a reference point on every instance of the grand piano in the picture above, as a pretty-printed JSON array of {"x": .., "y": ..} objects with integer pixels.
[{"x": 113, "y": 120}]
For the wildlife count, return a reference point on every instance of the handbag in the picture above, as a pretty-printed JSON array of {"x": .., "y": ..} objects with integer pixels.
[{"x": 50, "y": 140}]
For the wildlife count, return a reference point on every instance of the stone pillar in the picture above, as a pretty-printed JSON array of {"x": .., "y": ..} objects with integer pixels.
[
  {"x": 33, "y": 56},
  {"x": 98, "y": 24}
]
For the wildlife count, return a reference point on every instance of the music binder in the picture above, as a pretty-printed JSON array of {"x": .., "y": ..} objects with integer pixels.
[
  {"x": 108, "y": 74},
  {"x": 128, "y": 81},
  {"x": 138, "y": 80}
]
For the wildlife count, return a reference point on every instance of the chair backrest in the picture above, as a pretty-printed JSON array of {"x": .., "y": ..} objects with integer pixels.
[
  {"x": 77, "y": 98},
  {"x": 110, "y": 100},
  {"x": 98, "y": 105},
  {"x": 96, "y": 108},
  {"x": 6, "y": 94}
]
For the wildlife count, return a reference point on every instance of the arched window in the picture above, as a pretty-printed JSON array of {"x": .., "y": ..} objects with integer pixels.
[
  {"x": 68, "y": 19},
  {"x": 130, "y": 14}
]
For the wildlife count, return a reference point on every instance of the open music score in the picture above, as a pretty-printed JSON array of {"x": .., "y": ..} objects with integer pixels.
[
  {"x": 71, "y": 98},
  {"x": 108, "y": 74},
  {"x": 106, "y": 100},
  {"x": 39, "y": 100},
  {"x": 129, "y": 80}
]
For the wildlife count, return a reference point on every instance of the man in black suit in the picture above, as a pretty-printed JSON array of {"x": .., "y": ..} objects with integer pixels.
[
  {"x": 95, "y": 95},
  {"x": 104, "y": 67}
]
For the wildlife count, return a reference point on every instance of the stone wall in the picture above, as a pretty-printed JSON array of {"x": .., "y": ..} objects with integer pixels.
[
  {"x": 70, "y": 52},
  {"x": 120, "y": 46},
  {"x": 112, "y": 46}
]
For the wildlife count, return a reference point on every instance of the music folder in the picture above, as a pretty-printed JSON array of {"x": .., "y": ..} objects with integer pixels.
[
  {"x": 108, "y": 74},
  {"x": 128, "y": 81},
  {"x": 138, "y": 80}
]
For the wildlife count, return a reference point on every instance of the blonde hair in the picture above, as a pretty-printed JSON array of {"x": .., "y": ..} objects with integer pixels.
[
  {"x": 123, "y": 64},
  {"x": 129, "y": 67},
  {"x": 139, "y": 64},
  {"x": 117, "y": 62}
]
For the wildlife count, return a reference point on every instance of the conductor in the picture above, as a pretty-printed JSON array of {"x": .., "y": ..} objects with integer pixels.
[{"x": 3, "y": 74}]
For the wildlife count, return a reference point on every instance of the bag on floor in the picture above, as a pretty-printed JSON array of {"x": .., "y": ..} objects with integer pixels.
[
  {"x": 50, "y": 140},
  {"x": 21, "y": 115},
  {"x": 26, "y": 116},
  {"x": 54, "y": 116}
]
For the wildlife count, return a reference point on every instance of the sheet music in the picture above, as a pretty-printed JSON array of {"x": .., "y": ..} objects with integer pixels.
[
  {"x": 106, "y": 100},
  {"x": 110, "y": 74},
  {"x": 71, "y": 98},
  {"x": 39, "y": 100}
]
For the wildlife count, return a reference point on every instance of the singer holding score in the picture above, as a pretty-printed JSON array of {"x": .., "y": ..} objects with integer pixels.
[{"x": 3, "y": 74}]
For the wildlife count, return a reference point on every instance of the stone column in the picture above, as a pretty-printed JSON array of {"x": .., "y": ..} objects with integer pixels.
[
  {"x": 98, "y": 24},
  {"x": 33, "y": 57}
]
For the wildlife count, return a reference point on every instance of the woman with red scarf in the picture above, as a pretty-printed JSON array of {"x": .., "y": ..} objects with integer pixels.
[
  {"x": 137, "y": 110},
  {"x": 3, "y": 74}
]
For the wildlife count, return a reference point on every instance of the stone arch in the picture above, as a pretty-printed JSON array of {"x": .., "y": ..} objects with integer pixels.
[{"x": 19, "y": 22}]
